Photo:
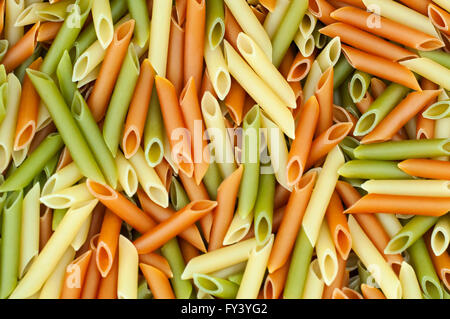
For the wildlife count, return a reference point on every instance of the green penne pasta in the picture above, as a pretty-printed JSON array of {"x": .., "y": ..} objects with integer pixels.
[
  {"x": 320, "y": 40},
  {"x": 359, "y": 84},
  {"x": 347, "y": 102},
  {"x": 2, "y": 204},
  {"x": 37, "y": 160},
  {"x": 178, "y": 196},
  {"x": 58, "y": 215},
  {"x": 236, "y": 278},
  {"x": 348, "y": 145},
  {"x": 263, "y": 211},
  {"x": 438, "y": 56},
  {"x": 342, "y": 70},
  {"x": 248, "y": 188},
  {"x": 66, "y": 125},
  {"x": 409, "y": 234},
  {"x": 88, "y": 35},
  {"x": 139, "y": 12},
  {"x": 364, "y": 274},
  {"x": 64, "y": 74},
  {"x": 153, "y": 132},
  {"x": 50, "y": 166},
  {"x": 67, "y": 35},
  {"x": 91, "y": 132},
  {"x": 171, "y": 251},
  {"x": 215, "y": 25},
  {"x": 3, "y": 100},
  {"x": 10, "y": 244},
  {"x": 298, "y": 269},
  {"x": 217, "y": 287},
  {"x": 120, "y": 100},
  {"x": 287, "y": 29},
  {"x": 426, "y": 274},
  {"x": 401, "y": 150},
  {"x": 3, "y": 48},
  {"x": 3, "y": 75},
  {"x": 381, "y": 107},
  {"x": 372, "y": 169},
  {"x": 438, "y": 110},
  {"x": 212, "y": 180},
  {"x": 143, "y": 290}
]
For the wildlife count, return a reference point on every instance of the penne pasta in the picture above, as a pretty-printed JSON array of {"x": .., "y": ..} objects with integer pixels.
[{"x": 127, "y": 276}]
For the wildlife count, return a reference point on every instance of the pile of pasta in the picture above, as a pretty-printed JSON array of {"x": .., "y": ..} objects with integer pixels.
[{"x": 225, "y": 149}]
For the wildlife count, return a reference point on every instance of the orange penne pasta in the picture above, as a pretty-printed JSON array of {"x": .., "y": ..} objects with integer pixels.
[
  {"x": 157, "y": 261},
  {"x": 28, "y": 111},
  {"x": 180, "y": 8},
  {"x": 157, "y": 281},
  {"x": 22, "y": 50},
  {"x": 160, "y": 214},
  {"x": 223, "y": 214},
  {"x": 324, "y": 95},
  {"x": 207, "y": 85},
  {"x": 400, "y": 115},
  {"x": 380, "y": 67},
  {"x": 418, "y": 5},
  {"x": 300, "y": 67},
  {"x": 234, "y": 101},
  {"x": 440, "y": 18},
  {"x": 388, "y": 29},
  {"x": 175, "y": 224},
  {"x": 321, "y": 9},
  {"x": 45, "y": 227},
  {"x": 441, "y": 263},
  {"x": 121, "y": 206},
  {"x": 399, "y": 204},
  {"x": 291, "y": 222},
  {"x": 424, "y": 126},
  {"x": 192, "y": 116},
  {"x": 164, "y": 171},
  {"x": 274, "y": 283},
  {"x": 2, "y": 15},
  {"x": 370, "y": 292},
  {"x": 326, "y": 141},
  {"x": 369, "y": 223},
  {"x": 94, "y": 229},
  {"x": 345, "y": 293},
  {"x": 107, "y": 242},
  {"x": 269, "y": 4},
  {"x": 426, "y": 168},
  {"x": 187, "y": 250},
  {"x": 108, "y": 286},
  {"x": 174, "y": 124},
  {"x": 376, "y": 87},
  {"x": 109, "y": 70},
  {"x": 175, "y": 56},
  {"x": 92, "y": 281},
  {"x": 194, "y": 38},
  {"x": 301, "y": 145},
  {"x": 337, "y": 223},
  {"x": 366, "y": 41},
  {"x": 341, "y": 115},
  {"x": 260, "y": 12},
  {"x": 339, "y": 280},
  {"x": 355, "y": 3},
  {"x": 365, "y": 102},
  {"x": 75, "y": 276},
  {"x": 198, "y": 192},
  {"x": 48, "y": 31},
  {"x": 232, "y": 29},
  {"x": 137, "y": 113}
]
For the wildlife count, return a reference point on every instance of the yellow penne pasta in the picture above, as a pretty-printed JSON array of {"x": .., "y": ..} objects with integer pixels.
[
  {"x": 250, "y": 24},
  {"x": 20, "y": 155},
  {"x": 330, "y": 54},
  {"x": 82, "y": 234},
  {"x": 127, "y": 174},
  {"x": 127, "y": 281},
  {"x": 103, "y": 23},
  {"x": 12, "y": 11},
  {"x": 159, "y": 35},
  {"x": 429, "y": 69},
  {"x": 311, "y": 81},
  {"x": 314, "y": 283},
  {"x": 52, "y": 252},
  {"x": 238, "y": 229},
  {"x": 326, "y": 254},
  {"x": 217, "y": 70},
  {"x": 390, "y": 223},
  {"x": 8, "y": 125},
  {"x": 67, "y": 197},
  {"x": 53, "y": 285},
  {"x": 44, "y": 117},
  {"x": 254, "y": 271},
  {"x": 444, "y": 4},
  {"x": 305, "y": 44},
  {"x": 321, "y": 194},
  {"x": 219, "y": 259},
  {"x": 149, "y": 180},
  {"x": 29, "y": 232},
  {"x": 374, "y": 261},
  {"x": 274, "y": 18},
  {"x": 259, "y": 62},
  {"x": 308, "y": 24},
  {"x": 440, "y": 237},
  {"x": 409, "y": 282},
  {"x": 434, "y": 188},
  {"x": 64, "y": 178},
  {"x": 259, "y": 91}
]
